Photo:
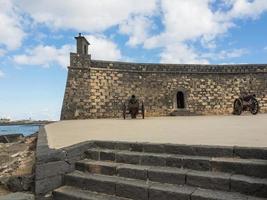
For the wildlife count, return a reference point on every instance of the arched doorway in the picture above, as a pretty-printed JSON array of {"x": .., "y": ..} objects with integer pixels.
[{"x": 180, "y": 100}]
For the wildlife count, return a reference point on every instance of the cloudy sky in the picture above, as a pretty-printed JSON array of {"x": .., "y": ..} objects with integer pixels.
[{"x": 36, "y": 37}]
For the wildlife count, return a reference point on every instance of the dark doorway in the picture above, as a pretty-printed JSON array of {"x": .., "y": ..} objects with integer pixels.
[{"x": 180, "y": 100}]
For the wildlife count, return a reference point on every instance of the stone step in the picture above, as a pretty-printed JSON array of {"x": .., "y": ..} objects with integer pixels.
[
  {"x": 210, "y": 180},
  {"x": 182, "y": 149},
  {"x": 249, "y": 167},
  {"x": 73, "y": 193},
  {"x": 144, "y": 190}
]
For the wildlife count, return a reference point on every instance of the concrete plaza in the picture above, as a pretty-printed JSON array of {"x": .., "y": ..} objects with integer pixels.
[{"x": 246, "y": 130}]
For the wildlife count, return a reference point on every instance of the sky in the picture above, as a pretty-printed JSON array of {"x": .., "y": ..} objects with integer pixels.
[{"x": 36, "y": 38}]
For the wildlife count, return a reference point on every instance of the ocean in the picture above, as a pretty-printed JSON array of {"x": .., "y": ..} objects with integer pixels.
[{"x": 23, "y": 129}]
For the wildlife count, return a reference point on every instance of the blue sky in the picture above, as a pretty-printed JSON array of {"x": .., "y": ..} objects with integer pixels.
[{"x": 36, "y": 38}]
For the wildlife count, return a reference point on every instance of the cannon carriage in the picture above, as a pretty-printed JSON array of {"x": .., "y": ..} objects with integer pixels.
[
  {"x": 133, "y": 108},
  {"x": 246, "y": 103}
]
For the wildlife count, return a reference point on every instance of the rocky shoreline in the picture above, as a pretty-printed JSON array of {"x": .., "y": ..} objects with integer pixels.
[{"x": 17, "y": 159}]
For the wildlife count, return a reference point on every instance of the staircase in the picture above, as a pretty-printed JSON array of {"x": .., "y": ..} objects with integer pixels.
[{"x": 121, "y": 171}]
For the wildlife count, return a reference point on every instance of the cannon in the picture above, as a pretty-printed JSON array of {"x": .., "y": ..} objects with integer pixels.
[
  {"x": 133, "y": 108},
  {"x": 246, "y": 103}
]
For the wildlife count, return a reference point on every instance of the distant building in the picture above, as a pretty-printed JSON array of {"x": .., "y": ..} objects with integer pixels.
[
  {"x": 4, "y": 120},
  {"x": 97, "y": 89}
]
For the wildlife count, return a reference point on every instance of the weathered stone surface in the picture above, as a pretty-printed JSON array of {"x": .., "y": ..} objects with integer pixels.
[
  {"x": 153, "y": 160},
  {"x": 249, "y": 185},
  {"x": 169, "y": 192},
  {"x": 51, "y": 169},
  {"x": 107, "y": 155},
  {"x": 154, "y": 148},
  {"x": 48, "y": 184},
  {"x": 246, "y": 152},
  {"x": 197, "y": 163},
  {"x": 167, "y": 175},
  {"x": 97, "y": 167},
  {"x": 173, "y": 161},
  {"x": 71, "y": 193},
  {"x": 135, "y": 172},
  {"x": 92, "y": 154},
  {"x": 18, "y": 196},
  {"x": 127, "y": 158},
  {"x": 210, "y": 180},
  {"x": 250, "y": 167},
  {"x": 205, "y": 194},
  {"x": 92, "y": 182},
  {"x": 134, "y": 190}
]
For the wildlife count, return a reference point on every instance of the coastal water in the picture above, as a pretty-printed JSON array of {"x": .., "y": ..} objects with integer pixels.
[{"x": 23, "y": 129}]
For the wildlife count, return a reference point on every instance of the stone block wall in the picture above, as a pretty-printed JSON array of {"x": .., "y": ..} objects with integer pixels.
[{"x": 97, "y": 89}]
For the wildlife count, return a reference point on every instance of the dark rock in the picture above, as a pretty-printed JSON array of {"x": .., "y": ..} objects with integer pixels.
[
  {"x": 20, "y": 183},
  {"x": 9, "y": 138}
]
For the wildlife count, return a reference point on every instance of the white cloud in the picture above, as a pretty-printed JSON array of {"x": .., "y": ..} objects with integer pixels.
[
  {"x": 187, "y": 20},
  {"x": 181, "y": 53},
  {"x": 196, "y": 20},
  {"x": 2, "y": 74},
  {"x": 11, "y": 34},
  {"x": 102, "y": 48},
  {"x": 45, "y": 56},
  {"x": 84, "y": 15},
  {"x": 226, "y": 54},
  {"x": 245, "y": 9},
  {"x": 137, "y": 28}
]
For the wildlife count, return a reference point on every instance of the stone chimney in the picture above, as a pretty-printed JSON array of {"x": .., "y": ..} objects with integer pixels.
[{"x": 82, "y": 45}]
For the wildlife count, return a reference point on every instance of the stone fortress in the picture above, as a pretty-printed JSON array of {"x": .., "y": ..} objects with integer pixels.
[{"x": 97, "y": 89}]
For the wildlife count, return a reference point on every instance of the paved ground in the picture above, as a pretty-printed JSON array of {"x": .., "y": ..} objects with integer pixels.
[{"x": 245, "y": 130}]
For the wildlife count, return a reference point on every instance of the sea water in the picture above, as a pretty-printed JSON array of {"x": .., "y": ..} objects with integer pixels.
[{"x": 23, "y": 129}]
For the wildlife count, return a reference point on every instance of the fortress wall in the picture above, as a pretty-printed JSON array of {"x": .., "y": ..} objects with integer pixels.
[{"x": 97, "y": 89}]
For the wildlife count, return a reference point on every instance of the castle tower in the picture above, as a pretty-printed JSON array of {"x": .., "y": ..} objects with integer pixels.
[{"x": 82, "y": 45}]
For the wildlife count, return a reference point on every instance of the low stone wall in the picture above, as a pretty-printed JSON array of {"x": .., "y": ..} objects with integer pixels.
[{"x": 52, "y": 164}]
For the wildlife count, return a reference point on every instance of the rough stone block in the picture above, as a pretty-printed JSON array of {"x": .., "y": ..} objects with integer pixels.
[
  {"x": 133, "y": 190},
  {"x": 107, "y": 155},
  {"x": 209, "y": 180},
  {"x": 205, "y": 194},
  {"x": 134, "y": 172},
  {"x": 172, "y": 161},
  {"x": 48, "y": 184},
  {"x": 154, "y": 148},
  {"x": 127, "y": 158},
  {"x": 153, "y": 160},
  {"x": 249, "y": 185},
  {"x": 166, "y": 175},
  {"x": 256, "y": 153},
  {"x": 45, "y": 170},
  {"x": 92, "y": 154},
  {"x": 106, "y": 144},
  {"x": 169, "y": 192},
  {"x": 197, "y": 163},
  {"x": 257, "y": 168},
  {"x": 91, "y": 182}
]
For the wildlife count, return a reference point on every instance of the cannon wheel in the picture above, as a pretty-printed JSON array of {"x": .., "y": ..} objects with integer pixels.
[
  {"x": 143, "y": 111},
  {"x": 254, "y": 107},
  {"x": 124, "y": 111},
  {"x": 238, "y": 107}
]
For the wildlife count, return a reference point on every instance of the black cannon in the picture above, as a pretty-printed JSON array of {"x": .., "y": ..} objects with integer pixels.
[
  {"x": 133, "y": 108},
  {"x": 246, "y": 103}
]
